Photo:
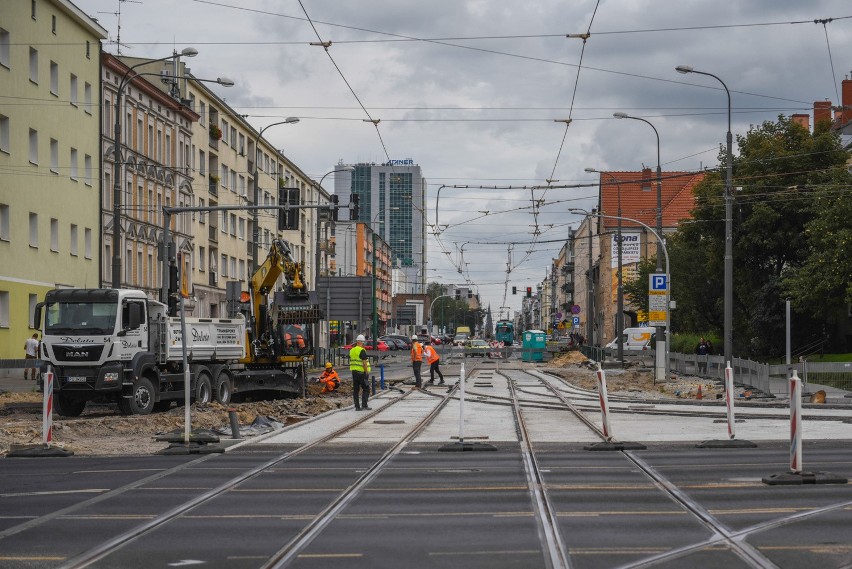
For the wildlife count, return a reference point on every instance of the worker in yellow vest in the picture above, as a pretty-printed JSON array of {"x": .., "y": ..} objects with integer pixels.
[{"x": 359, "y": 364}]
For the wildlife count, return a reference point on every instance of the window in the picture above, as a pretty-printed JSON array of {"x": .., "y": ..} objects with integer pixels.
[
  {"x": 54, "y": 156},
  {"x": 33, "y": 229},
  {"x": 202, "y": 159},
  {"x": 4, "y": 48},
  {"x": 88, "y": 50},
  {"x": 168, "y": 161},
  {"x": 73, "y": 238},
  {"x": 4, "y": 134},
  {"x": 225, "y": 130},
  {"x": 54, "y": 78},
  {"x": 202, "y": 110},
  {"x": 73, "y": 87},
  {"x": 74, "y": 172},
  {"x": 4, "y": 222},
  {"x": 53, "y": 24},
  {"x": 34, "y": 65},
  {"x": 33, "y": 146},
  {"x": 234, "y": 138},
  {"x": 202, "y": 252},
  {"x": 242, "y": 146},
  {"x": 242, "y": 231},
  {"x": 33, "y": 9},
  {"x": 242, "y": 270},
  {"x": 224, "y": 265},
  {"x": 54, "y": 235},
  {"x": 33, "y": 300},
  {"x": 233, "y": 272},
  {"x": 234, "y": 224},
  {"x": 224, "y": 222},
  {"x": 223, "y": 179},
  {"x": 4, "y": 308},
  {"x": 87, "y": 166},
  {"x": 233, "y": 181},
  {"x": 201, "y": 213},
  {"x": 87, "y": 97},
  {"x": 87, "y": 243}
]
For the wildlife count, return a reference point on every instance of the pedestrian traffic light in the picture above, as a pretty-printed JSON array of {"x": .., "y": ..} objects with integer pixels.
[
  {"x": 354, "y": 200},
  {"x": 335, "y": 206},
  {"x": 458, "y": 294},
  {"x": 529, "y": 292},
  {"x": 514, "y": 290}
]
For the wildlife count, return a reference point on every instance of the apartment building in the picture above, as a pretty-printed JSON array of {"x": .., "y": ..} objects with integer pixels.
[
  {"x": 49, "y": 153},
  {"x": 152, "y": 171},
  {"x": 356, "y": 256}
]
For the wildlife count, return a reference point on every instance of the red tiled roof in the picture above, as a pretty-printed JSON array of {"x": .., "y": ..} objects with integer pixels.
[{"x": 639, "y": 196}]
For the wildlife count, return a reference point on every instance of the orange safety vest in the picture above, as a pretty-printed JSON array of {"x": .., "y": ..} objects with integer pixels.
[
  {"x": 432, "y": 355},
  {"x": 416, "y": 352}
]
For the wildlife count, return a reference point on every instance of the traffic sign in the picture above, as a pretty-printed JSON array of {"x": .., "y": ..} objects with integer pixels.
[
  {"x": 657, "y": 295},
  {"x": 575, "y": 309},
  {"x": 657, "y": 282},
  {"x": 575, "y": 320}
]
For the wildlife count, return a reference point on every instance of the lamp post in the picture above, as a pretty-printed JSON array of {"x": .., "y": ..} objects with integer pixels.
[
  {"x": 729, "y": 210},
  {"x": 255, "y": 230},
  {"x": 119, "y": 165},
  {"x": 619, "y": 317},
  {"x": 659, "y": 240},
  {"x": 662, "y": 336}
]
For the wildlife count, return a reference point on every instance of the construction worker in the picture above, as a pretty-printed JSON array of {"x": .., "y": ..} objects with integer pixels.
[
  {"x": 330, "y": 378},
  {"x": 434, "y": 360},
  {"x": 359, "y": 364},
  {"x": 416, "y": 360}
]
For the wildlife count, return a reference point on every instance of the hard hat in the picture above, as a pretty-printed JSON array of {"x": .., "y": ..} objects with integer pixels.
[
  {"x": 414, "y": 338},
  {"x": 360, "y": 338},
  {"x": 328, "y": 365}
]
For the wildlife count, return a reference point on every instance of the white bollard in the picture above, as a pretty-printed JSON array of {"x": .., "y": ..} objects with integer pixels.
[
  {"x": 47, "y": 410},
  {"x": 795, "y": 423},
  {"x": 729, "y": 400},
  {"x": 461, "y": 403},
  {"x": 604, "y": 399}
]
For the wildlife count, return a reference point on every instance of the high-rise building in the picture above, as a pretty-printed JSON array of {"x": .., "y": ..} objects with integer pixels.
[{"x": 392, "y": 200}]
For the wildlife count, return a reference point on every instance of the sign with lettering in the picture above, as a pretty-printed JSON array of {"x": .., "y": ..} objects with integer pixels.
[{"x": 630, "y": 249}]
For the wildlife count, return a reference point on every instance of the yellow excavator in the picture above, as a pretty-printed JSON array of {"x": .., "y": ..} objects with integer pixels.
[{"x": 279, "y": 333}]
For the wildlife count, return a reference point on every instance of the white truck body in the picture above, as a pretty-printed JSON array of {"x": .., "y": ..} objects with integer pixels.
[{"x": 207, "y": 339}]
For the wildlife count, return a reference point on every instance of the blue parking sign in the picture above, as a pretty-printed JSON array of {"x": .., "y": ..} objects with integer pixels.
[
  {"x": 657, "y": 281},
  {"x": 575, "y": 321}
]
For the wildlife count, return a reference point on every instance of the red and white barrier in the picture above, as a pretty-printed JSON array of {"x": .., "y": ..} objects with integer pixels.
[
  {"x": 47, "y": 410},
  {"x": 729, "y": 400},
  {"x": 795, "y": 423},
  {"x": 604, "y": 399},
  {"x": 461, "y": 403}
]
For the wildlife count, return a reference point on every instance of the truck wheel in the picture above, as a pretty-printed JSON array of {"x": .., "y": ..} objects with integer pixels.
[
  {"x": 223, "y": 389},
  {"x": 142, "y": 400},
  {"x": 203, "y": 390},
  {"x": 68, "y": 407}
]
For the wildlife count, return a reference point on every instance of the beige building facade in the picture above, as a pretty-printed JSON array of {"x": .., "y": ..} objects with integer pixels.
[{"x": 49, "y": 153}]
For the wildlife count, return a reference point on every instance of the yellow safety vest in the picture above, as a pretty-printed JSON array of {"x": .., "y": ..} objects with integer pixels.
[{"x": 355, "y": 361}]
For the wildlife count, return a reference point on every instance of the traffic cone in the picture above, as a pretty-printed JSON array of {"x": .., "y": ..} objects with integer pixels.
[{"x": 699, "y": 395}]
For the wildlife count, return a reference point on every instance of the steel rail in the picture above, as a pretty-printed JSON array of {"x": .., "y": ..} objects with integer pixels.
[{"x": 111, "y": 545}]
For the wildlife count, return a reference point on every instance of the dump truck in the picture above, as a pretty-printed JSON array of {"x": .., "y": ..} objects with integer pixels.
[{"x": 119, "y": 345}]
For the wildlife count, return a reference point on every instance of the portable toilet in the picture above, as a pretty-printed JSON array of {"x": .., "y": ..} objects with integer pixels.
[{"x": 533, "y": 340}]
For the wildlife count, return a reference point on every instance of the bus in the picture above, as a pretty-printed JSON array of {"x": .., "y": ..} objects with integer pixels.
[{"x": 505, "y": 332}]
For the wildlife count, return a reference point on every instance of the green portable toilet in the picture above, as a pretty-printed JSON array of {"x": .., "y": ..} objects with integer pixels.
[{"x": 534, "y": 340}]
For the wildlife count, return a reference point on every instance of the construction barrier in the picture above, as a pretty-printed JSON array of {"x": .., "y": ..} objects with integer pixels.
[
  {"x": 604, "y": 399},
  {"x": 795, "y": 423},
  {"x": 729, "y": 400}
]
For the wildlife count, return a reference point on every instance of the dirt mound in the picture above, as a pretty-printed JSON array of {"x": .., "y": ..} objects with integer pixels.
[{"x": 568, "y": 358}]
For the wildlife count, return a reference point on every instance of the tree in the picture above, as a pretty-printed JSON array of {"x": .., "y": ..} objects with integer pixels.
[{"x": 783, "y": 171}]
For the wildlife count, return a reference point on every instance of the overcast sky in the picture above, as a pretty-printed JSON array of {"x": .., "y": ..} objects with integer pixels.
[{"x": 470, "y": 89}]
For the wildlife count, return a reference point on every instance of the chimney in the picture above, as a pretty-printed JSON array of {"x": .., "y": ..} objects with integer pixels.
[
  {"x": 822, "y": 111},
  {"x": 803, "y": 120},
  {"x": 846, "y": 101},
  {"x": 646, "y": 179}
]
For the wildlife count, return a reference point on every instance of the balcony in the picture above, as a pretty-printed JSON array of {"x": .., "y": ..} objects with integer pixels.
[
  {"x": 568, "y": 288},
  {"x": 567, "y": 268}
]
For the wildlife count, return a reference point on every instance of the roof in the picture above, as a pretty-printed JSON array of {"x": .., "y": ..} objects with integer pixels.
[{"x": 639, "y": 196}]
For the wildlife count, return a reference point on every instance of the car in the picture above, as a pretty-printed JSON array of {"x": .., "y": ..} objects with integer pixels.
[
  {"x": 424, "y": 339},
  {"x": 436, "y": 340},
  {"x": 380, "y": 346},
  {"x": 473, "y": 348},
  {"x": 460, "y": 339},
  {"x": 394, "y": 343}
]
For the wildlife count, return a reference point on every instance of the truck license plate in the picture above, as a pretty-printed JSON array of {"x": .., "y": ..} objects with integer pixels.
[{"x": 76, "y": 379}]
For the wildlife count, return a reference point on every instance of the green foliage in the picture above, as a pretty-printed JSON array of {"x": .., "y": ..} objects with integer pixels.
[
  {"x": 449, "y": 312},
  {"x": 791, "y": 237}
]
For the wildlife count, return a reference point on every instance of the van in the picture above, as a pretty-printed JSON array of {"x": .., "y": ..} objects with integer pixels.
[
  {"x": 462, "y": 335},
  {"x": 635, "y": 340}
]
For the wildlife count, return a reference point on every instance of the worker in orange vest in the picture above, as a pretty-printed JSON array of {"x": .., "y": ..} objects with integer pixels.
[
  {"x": 416, "y": 360},
  {"x": 434, "y": 361},
  {"x": 330, "y": 378}
]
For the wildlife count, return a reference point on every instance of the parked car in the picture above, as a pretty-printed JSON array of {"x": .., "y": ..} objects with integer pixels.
[
  {"x": 380, "y": 346},
  {"x": 473, "y": 348},
  {"x": 460, "y": 339},
  {"x": 393, "y": 343},
  {"x": 406, "y": 340},
  {"x": 436, "y": 340},
  {"x": 425, "y": 339}
]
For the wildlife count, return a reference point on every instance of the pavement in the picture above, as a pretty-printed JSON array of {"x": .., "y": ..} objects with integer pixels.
[{"x": 12, "y": 380}]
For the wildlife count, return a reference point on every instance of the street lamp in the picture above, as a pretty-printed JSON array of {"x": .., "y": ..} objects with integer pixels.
[
  {"x": 255, "y": 229},
  {"x": 119, "y": 165},
  {"x": 729, "y": 212},
  {"x": 661, "y": 339},
  {"x": 619, "y": 317},
  {"x": 659, "y": 240}
]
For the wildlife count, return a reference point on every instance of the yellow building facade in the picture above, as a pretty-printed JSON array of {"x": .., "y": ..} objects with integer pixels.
[{"x": 49, "y": 156}]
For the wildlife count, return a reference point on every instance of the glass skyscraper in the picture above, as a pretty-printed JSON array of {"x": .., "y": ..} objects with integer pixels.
[{"x": 393, "y": 201}]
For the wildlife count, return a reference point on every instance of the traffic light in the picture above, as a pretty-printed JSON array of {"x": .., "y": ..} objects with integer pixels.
[
  {"x": 335, "y": 205},
  {"x": 354, "y": 200},
  {"x": 288, "y": 218},
  {"x": 514, "y": 290},
  {"x": 529, "y": 292},
  {"x": 458, "y": 294}
]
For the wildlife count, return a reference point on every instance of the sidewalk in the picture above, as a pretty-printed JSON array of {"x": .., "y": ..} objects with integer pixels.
[{"x": 12, "y": 380}]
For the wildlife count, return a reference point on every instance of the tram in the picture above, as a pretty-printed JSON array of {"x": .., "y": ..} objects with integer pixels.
[{"x": 505, "y": 332}]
